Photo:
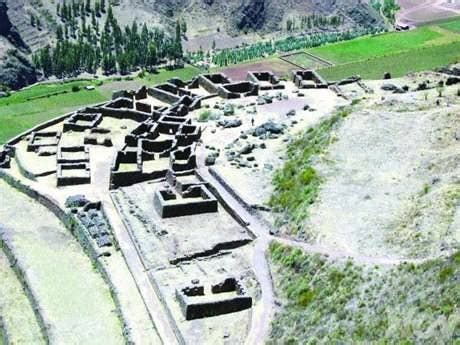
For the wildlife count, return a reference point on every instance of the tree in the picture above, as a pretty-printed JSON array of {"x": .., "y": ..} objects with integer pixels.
[
  {"x": 103, "y": 6},
  {"x": 88, "y": 6},
  {"x": 151, "y": 59},
  {"x": 46, "y": 61},
  {"x": 184, "y": 27},
  {"x": 108, "y": 64},
  {"x": 59, "y": 33}
]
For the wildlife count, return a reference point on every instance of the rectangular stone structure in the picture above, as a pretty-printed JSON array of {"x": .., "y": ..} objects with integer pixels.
[{"x": 199, "y": 301}]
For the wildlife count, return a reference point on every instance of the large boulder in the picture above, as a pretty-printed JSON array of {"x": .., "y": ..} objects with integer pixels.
[{"x": 233, "y": 123}]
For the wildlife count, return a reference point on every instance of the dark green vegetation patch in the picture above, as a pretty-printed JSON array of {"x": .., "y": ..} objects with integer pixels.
[
  {"x": 297, "y": 182},
  {"x": 341, "y": 302}
]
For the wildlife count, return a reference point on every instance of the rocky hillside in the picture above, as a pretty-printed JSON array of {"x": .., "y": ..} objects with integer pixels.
[
  {"x": 203, "y": 17},
  {"x": 27, "y": 25}
]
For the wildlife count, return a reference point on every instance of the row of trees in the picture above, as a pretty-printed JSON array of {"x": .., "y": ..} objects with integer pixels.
[
  {"x": 232, "y": 56},
  {"x": 88, "y": 47},
  {"x": 313, "y": 21}
]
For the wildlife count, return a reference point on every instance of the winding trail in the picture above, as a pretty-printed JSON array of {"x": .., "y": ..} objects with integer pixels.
[{"x": 261, "y": 320}]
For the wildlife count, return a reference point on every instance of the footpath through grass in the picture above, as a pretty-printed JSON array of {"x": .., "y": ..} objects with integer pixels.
[{"x": 341, "y": 302}]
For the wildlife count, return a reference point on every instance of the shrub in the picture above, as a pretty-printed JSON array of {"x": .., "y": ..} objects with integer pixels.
[
  {"x": 75, "y": 88},
  {"x": 297, "y": 183},
  {"x": 207, "y": 115}
]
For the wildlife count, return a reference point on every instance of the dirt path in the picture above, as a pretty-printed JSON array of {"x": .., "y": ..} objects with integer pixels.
[
  {"x": 262, "y": 315},
  {"x": 132, "y": 257},
  {"x": 437, "y": 7}
]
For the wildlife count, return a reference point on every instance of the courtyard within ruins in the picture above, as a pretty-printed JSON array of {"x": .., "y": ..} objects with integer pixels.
[{"x": 165, "y": 188}]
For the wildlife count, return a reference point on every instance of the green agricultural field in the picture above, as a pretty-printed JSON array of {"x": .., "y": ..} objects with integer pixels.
[
  {"x": 382, "y": 45},
  {"x": 31, "y": 106},
  {"x": 327, "y": 302},
  {"x": 452, "y": 25},
  {"x": 398, "y": 65},
  {"x": 303, "y": 60}
]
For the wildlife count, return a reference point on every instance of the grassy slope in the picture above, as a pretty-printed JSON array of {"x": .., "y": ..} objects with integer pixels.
[
  {"x": 297, "y": 183},
  {"x": 29, "y": 107},
  {"x": 327, "y": 302}
]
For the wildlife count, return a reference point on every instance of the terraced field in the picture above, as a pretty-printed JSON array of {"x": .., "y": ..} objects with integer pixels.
[
  {"x": 18, "y": 317},
  {"x": 72, "y": 297}
]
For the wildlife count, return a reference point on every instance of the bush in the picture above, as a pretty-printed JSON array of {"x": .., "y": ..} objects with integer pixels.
[
  {"x": 76, "y": 88},
  {"x": 207, "y": 115},
  {"x": 336, "y": 302},
  {"x": 297, "y": 183}
]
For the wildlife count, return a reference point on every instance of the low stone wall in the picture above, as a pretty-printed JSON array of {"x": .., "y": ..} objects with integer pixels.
[
  {"x": 163, "y": 96},
  {"x": 83, "y": 178},
  {"x": 213, "y": 251},
  {"x": 300, "y": 77}
]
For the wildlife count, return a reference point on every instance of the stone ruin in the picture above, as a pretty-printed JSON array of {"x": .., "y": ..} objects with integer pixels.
[
  {"x": 210, "y": 82},
  {"x": 308, "y": 79},
  {"x": 220, "y": 84},
  {"x": 93, "y": 219},
  {"x": 265, "y": 80},
  {"x": 185, "y": 198},
  {"x": 238, "y": 90},
  {"x": 198, "y": 300},
  {"x": 156, "y": 147},
  {"x": 73, "y": 166},
  {"x": 80, "y": 122},
  {"x": 92, "y": 223},
  {"x": 43, "y": 143},
  {"x": 5, "y": 157}
]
